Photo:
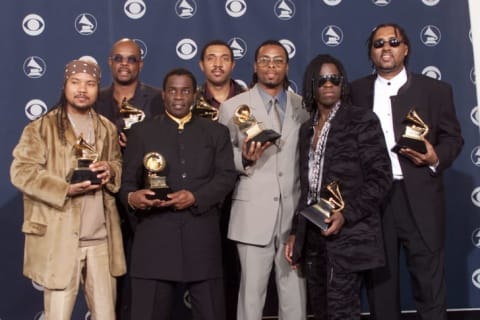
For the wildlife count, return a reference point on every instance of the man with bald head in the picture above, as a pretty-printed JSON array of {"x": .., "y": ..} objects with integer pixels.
[{"x": 126, "y": 63}]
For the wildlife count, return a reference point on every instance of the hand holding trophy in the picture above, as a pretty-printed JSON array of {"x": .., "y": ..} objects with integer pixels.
[
  {"x": 85, "y": 155},
  {"x": 130, "y": 114},
  {"x": 253, "y": 129},
  {"x": 318, "y": 212},
  {"x": 414, "y": 135},
  {"x": 154, "y": 164}
]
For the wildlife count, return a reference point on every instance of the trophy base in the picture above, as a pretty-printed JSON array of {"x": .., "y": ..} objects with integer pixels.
[
  {"x": 80, "y": 175},
  {"x": 317, "y": 213},
  {"x": 414, "y": 144},
  {"x": 268, "y": 135},
  {"x": 160, "y": 193}
]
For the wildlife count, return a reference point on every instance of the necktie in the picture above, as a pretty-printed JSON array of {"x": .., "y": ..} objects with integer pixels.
[{"x": 274, "y": 110}]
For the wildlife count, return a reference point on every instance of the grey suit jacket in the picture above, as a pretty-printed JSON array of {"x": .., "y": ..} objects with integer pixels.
[{"x": 273, "y": 181}]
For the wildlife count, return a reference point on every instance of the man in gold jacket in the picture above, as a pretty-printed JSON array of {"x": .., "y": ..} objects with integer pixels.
[{"x": 72, "y": 230}]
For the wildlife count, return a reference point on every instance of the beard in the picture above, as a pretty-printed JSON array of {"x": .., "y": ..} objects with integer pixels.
[
  {"x": 81, "y": 107},
  {"x": 125, "y": 82},
  {"x": 273, "y": 85}
]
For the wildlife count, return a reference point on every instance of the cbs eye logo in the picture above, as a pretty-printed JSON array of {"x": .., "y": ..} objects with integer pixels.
[
  {"x": 289, "y": 46},
  {"x": 476, "y": 278},
  {"x": 475, "y": 116},
  {"x": 186, "y": 49},
  {"x": 35, "y": 108},
  {"x": 33, "y": 24},
  {"x": 236, "y": 8},
  {"x": 134, "y": 9},
  {"x": 476, "y": 196},
  {"x": 332, "y": 3}
]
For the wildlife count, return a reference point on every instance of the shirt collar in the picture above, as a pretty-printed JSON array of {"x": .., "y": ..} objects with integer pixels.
[
  {"x": 396, "y": 82},
  {"x": 281, "y": 98}
]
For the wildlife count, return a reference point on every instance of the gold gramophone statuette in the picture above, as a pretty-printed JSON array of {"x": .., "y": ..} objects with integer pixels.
[
  {"x": 253, "y": 129},
  {"x": 414, "y": 136},
  {"x": 155, "y": 164},
  {"x": 85, "y": 155},
  {"x": 205, "y": 110},
  {"x": 326, "y": 207},
  {"x": 130, "y": 114}
]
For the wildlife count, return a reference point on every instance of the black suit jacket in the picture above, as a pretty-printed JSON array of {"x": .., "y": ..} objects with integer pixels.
[
  {"x": 433, "y": 101},
  {"x": 146, "y": 97},
  {"x": 356, "y": 157},
  {"x": 180, "y": 245}
]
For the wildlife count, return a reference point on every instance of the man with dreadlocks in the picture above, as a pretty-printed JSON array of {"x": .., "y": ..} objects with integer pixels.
[
  {"x": 72, "y": 230},
  {"x": 341, "y": 144}
]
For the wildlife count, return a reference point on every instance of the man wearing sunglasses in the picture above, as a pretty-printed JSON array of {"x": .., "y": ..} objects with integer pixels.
[
  {"x": 125, "y": 63},
  {"x": 267, "y": 191},
  {"x": 413, "y": 214}
]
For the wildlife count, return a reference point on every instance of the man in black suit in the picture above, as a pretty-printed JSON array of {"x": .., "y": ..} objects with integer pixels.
[
  {"x": 414, "y": 215},
  {"x": 126, "y": 63},
  {"x": 340, "y": 144},
  {"x": 177, "y": 239}
]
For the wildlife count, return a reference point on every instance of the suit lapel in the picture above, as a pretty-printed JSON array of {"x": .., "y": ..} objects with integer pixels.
[{"x": 291, "y": 119}]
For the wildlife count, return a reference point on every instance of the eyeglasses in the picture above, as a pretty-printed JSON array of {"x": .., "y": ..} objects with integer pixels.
[
  {"x": 394, "y": 42},
  {"x": 118, "y": 58},
  {"x": 334, "y": 79},
  {"x": 265, "y": 61}
]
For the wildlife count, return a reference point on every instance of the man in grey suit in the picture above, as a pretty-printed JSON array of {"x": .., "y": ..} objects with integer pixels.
[{"x": 267, "y": 192}]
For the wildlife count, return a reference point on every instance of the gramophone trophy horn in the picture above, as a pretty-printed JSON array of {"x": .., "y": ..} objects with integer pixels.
[
  {"x": 318, "y": 212},
  {"x": 85, "y": 155},
  {"x": 130, "y": 114},
  {"x": 205, "y": 110},
  {"x": 414, "y": 136},
  {"x": 253, "y": 129}
]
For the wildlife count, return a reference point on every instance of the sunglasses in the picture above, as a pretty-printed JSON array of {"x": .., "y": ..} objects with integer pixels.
[
  {"x": 394, "y": 42},
  {"x": 118, "y": 58},
  {"x": 333, "y": 78}
]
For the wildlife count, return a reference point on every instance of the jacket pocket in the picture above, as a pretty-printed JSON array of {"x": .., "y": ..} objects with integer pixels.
[{"x": 34, "y": 228}]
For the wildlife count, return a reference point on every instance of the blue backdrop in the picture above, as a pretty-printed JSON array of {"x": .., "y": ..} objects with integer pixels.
[{"x": 41, "y": 36}]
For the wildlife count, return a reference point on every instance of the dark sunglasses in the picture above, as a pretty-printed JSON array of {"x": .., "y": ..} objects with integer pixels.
[
  {"x": 394, "y": 42},
  {"x": 118, "y": 58},
  {"x": 333, "y": 78}
]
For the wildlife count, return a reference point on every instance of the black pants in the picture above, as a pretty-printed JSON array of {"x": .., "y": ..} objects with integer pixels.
[
  {"x": 426, "y": 268},
  {"x": 153, "y": 299},
  {"x": 334, "y": 293},
  {"x": 122, "y": 307}
]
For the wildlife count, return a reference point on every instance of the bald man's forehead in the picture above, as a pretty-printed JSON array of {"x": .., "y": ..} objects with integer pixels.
[{"x": 129, "y": 47}]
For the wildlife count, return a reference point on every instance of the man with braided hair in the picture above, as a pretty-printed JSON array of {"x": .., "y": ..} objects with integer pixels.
[{"x": 72, "y": 230}]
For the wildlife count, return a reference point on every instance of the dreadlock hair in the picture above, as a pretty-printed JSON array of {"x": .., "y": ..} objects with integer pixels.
[
  {"x": 286, "y": 82},
  {"x": 61, "y": 117},
  {"x": 399, "y": 32},
  {"x": 310, "y": 81}
]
